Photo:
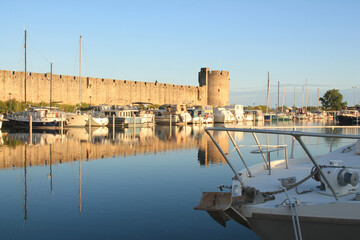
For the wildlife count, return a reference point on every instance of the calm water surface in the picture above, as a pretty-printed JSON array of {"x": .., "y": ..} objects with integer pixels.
[{"x": 135, "y": 183}]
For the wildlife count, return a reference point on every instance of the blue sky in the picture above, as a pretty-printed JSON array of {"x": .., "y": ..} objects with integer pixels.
[{"x": 170, "y": 41}]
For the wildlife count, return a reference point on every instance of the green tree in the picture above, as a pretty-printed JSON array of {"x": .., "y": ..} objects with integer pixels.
[{"x": 332, "y": 100}]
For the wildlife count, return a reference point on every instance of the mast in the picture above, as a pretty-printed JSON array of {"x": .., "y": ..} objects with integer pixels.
[
  {"x": 268, "y": 94},
  {"x": 294, "y": 97},
  {"x": 302, "y": 98},
  {"x": 80, "y": 77},
  {"x": 283, "y": 100},
  {"x": 318, "y": 100},
  {"x": 278, "y": 96},
  {"x": 51, "y": 64},
  {"x": 25, "y": 69},
  {"x": 306, "y": 96}
]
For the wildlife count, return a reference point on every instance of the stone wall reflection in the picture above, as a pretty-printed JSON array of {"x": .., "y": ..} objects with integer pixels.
[{"x": 78, "y": 143}]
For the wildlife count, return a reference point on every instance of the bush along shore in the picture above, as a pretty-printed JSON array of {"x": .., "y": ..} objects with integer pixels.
[{"x": 13, "y": 105}]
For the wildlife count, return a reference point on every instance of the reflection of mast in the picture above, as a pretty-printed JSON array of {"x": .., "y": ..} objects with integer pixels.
[
  {"x": 80, "y": 186},
  {"x": 25, "y": 186},
  {"x": 80, "y": 180},
  {"x": 51, "y": 183}
]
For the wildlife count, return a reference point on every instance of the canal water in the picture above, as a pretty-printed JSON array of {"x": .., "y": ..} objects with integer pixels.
[{"x": 132, "y": 183}]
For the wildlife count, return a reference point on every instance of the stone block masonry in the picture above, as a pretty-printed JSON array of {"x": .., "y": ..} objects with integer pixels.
[{"x": 97, "y": 91}]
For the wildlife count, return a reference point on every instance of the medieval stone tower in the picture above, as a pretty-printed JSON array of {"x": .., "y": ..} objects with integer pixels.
[{"x": 217, "y": 83}]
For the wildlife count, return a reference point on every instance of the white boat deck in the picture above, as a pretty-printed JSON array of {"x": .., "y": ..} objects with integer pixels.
[{"x": 300, "y": 168}]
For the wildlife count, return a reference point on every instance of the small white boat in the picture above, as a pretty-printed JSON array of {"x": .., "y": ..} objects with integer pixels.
[
  {"x": 222, "y": 115},
  {"x": 306, "y": 198},
  {"x": 97, "y": 120},
  {"x": 254, "y": 115},
  {"x": 124, "y": 115},
  {"x": 76, "y": 119},
  {"x": 237, "y": 111},
  {"x": 178, "y": 114}
]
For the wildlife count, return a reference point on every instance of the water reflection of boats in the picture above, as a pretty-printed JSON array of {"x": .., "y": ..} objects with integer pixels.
[
  {"x": 35, "y": 138},
  {"x": 83, "y": 134},
  {"x": 104, "y": 143}
]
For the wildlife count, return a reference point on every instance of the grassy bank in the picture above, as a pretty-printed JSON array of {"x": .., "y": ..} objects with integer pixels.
[{"x": 15, "y": 106}]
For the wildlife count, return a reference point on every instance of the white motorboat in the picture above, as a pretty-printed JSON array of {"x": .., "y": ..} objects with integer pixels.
[
  {"x": 41, "y": 117},
  {"x": 308, "y": 198},
  {"x": 124, "y": 115},
  {"x": 76, "y": 119},
  {"x": 222, "y": 115},
  {"x": 237, "y": 111},
  {"x": 254, "y": 115},
  {"x": 178, "y": 114},
  {"x": 97, "y": 120}
]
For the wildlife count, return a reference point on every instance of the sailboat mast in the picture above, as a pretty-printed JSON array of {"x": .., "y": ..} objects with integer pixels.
[
  {"x": 302, "y": 98},
  {"x": 278, "y": 96},
  {"x": 25, "y": 69},
  {"x": 283, "y": 100},
  {"x": 51, "y": 64},
  {"x": 318, "y": 100},
  {"x": 306, "y": 96},
  {"x": 80, "y": 76},
  {"x": 294, "y": 97},
  {"x": 268, "y": 94}
]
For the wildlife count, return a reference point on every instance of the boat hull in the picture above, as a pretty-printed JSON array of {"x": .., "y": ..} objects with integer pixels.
[
  {"x": 270, "y": 226},
  {"x": 347, "y": 120},
  {"x": 25, "y": 124}
]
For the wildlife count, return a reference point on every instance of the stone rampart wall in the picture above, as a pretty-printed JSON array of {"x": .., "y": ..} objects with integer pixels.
[{"x": 95, "y": 90}]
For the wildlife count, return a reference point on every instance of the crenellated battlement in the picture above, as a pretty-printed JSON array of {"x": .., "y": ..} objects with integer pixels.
[
  {"x": 219, "y": 73},
  {"x": 94, "y": 90}
]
